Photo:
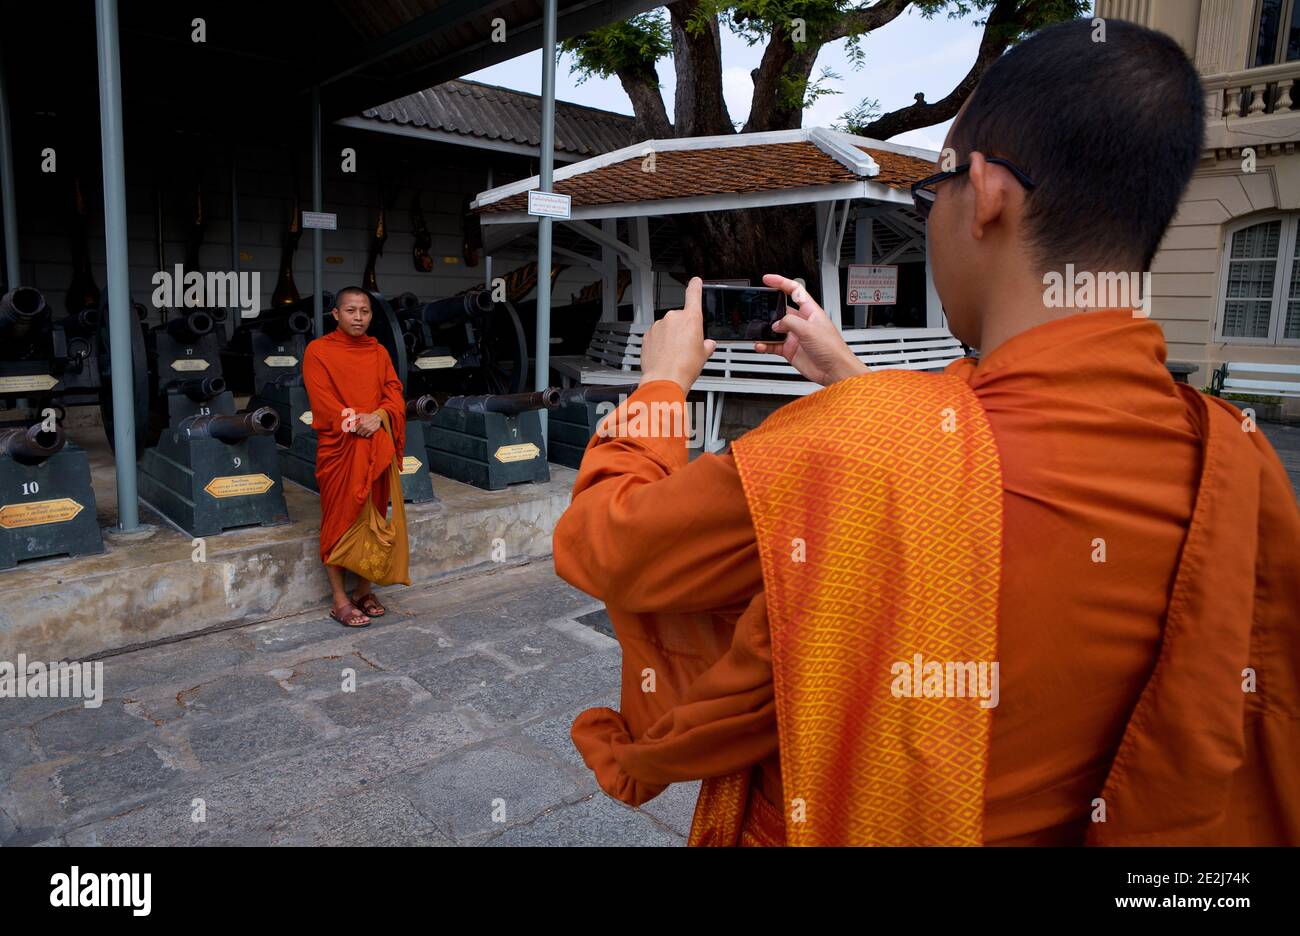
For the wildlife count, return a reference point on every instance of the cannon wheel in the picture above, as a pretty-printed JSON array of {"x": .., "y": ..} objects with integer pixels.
[
  {"x": 139, "y": 379},
  {"x": 503, "y": 351}
]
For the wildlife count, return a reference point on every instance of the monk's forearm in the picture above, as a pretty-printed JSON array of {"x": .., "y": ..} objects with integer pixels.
[{"x": 646, "y": 531}]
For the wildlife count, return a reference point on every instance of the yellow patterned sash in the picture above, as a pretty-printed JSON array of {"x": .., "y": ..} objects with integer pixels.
[{"x": 878, "y": 508}]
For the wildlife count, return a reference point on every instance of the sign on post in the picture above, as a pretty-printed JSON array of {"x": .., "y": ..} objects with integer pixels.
[
  {"x": 873, "y": 285},
  {"x": 324, "y": 220},
  {"x": 550, "y": 205}
]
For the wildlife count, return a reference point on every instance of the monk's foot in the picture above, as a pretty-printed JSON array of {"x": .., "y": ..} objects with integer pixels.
[
  {"x": 369, "y": 604},
  {"x": 348, "y": 615}
]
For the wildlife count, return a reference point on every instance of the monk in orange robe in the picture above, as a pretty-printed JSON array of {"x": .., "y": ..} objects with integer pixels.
[
  {"x": 1046, "y": 597},
  {"x": 349, "y": 379}
]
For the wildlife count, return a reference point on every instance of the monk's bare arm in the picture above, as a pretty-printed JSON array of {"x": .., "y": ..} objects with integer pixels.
[{"x": 649, "y": 532}]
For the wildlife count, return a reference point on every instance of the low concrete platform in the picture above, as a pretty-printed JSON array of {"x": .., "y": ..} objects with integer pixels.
[{"x": 155, "y": 585}]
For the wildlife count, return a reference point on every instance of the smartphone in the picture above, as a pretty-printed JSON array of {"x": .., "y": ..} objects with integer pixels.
[{"x": 742, "y": 313}]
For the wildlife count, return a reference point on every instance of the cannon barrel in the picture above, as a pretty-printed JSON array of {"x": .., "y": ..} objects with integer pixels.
[
  {"x": 33, "y": 444},
  {"x": 83, "y": 321},
  {"x": 231, "y": 429},
  {"x": 189, "y": 327},
  {"x": 201, "y": 389},
  {"x": 284, "y": 322},
  {"x": 421, "y": 407},
  {"x": 508, "y": 404},
  {"x": 591, "y": 394},
  {"x": 453, "y": 308},
  {"x": 22, "y": 310}
]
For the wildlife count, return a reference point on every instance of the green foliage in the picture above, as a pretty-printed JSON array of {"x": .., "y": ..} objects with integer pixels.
[
  {"x": 634, "y": 45},
  {"x": 855, "y": 120}
]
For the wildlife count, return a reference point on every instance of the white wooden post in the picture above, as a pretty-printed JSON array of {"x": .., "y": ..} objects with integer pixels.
[
  {"x": 609, "y": 276},
  {"x": 934, "y": 317},
  {"x": 862, "y": 254},
  {"x": 828, "y": 260},
  {"x": 643, "y": 297}
]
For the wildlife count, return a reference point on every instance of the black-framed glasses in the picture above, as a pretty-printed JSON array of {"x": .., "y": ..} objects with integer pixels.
[{"x": 923, "y": 191}]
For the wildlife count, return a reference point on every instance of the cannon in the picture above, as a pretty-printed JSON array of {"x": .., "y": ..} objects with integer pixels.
[
  {"x": 232, "y": 429},
  {"x": 206, "y": 467},
  {"x": 490, "y": 440},
  {"x": 575, "y": 418},
  {"x": 465, "y": 344},
  {"x": 269, "y": 346},
  {"x": 47, "y": 505}
]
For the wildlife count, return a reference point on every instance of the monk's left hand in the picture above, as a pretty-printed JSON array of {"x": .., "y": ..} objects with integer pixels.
[
  {"x": 368, "y": 424},
  {"x": 675, "y": 347}
]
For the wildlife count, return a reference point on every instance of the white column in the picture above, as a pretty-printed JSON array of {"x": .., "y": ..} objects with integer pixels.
[
  {"x": 609, "y": 274},
  {"x": 828, "y": 260},
  {"x": 862, "y": 254},
  {"x": 643, "y": 297},
  {"x": 934, "y": 317}
]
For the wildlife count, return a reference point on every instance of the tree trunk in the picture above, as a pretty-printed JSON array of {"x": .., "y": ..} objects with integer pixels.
[
  {"x": 647, "y": 104},
  {"x": 699, "y": 108}
]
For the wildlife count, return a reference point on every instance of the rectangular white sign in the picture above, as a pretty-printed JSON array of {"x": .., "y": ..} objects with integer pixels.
[
  {"x": 550, "y": 205},
  {"x": 873, "y": 285},
  {"x": 324, "y": 220}
]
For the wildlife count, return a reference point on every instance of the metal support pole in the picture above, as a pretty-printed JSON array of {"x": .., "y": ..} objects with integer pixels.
[
  {"x": 542, "y": 374},
  {"x": 236, "y": 310},
  {"x": 487, "y": 257},
  {"x": 120, "y": 315},
  {"x": 7, "y": 187},
  {"x": 317, "y": 247}
]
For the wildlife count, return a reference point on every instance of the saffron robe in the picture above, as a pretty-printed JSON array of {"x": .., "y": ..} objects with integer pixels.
[
  {"x": 1104, "y": 464},
  {"x": 343, "y": 373}
]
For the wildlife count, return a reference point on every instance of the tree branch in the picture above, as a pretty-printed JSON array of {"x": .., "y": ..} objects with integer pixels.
[
  {"x": 998, "y": 35},
  {"x": 858, "y": 22}
]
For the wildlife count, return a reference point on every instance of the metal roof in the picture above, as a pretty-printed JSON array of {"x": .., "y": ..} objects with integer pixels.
[{"x": 474, "y": 111}]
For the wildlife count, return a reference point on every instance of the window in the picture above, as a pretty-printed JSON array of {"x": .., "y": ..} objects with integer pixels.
[
  {"x": 1277, "y": 32},
  {"x": 1260, "y": 302}
]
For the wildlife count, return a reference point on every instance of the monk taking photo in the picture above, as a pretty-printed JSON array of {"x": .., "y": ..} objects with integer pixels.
[
  {"x": 1048, "y": 596},
  {"x": 359, "y": 416}
]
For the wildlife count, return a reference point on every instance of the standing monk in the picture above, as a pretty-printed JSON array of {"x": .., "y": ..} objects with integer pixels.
[
  {"x": 349, "y": 379},
  {"x": 1046, "y": 597}
]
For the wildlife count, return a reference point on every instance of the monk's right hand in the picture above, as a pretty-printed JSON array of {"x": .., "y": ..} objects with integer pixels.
[{"x": 814, "y": 345}]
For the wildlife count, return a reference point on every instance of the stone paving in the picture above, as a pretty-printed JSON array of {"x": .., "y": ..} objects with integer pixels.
[{"x": 456, "y": 733}]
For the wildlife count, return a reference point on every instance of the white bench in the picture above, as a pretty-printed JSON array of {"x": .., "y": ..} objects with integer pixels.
[
  {"x": 614, "y": 357},
  {"x": 1279, "y": 380}
]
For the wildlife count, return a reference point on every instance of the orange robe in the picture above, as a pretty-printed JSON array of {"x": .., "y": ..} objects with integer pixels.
[
  {"x": 342, "y": 373},
  {"x": 1099, "y": 450}
]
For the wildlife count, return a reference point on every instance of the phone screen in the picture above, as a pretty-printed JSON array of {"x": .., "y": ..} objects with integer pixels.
[{"x": 742, "y": 313}]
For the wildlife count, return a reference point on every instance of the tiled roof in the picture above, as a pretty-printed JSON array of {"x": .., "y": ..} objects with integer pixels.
[
  {"x": 723, "y": 170},
  {"x": 491, "y": 113},
  {"x": 898, "y": 170}
]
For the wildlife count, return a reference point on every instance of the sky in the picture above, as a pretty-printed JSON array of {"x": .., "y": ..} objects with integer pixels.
[{"x": 909, "y": 55}]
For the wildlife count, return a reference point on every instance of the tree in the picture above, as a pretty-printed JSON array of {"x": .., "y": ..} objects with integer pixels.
[{"x": 793, "y": 33}]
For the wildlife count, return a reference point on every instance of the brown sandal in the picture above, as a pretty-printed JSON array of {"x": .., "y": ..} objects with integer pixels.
[
  {"x": 350, "y": 614},
  {"x": 369, "y": 605}
]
